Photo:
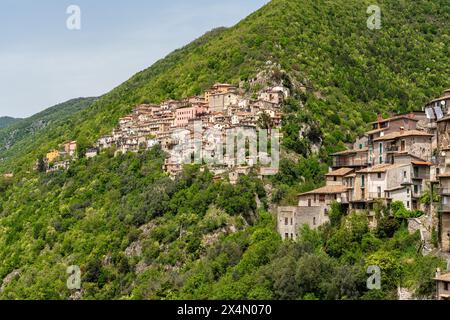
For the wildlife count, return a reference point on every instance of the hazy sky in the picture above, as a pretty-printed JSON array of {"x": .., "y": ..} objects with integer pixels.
[{"x": 42, "y": 63}]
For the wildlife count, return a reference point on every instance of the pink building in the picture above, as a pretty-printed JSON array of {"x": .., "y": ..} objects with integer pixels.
[{"x": 183, "y": 115}]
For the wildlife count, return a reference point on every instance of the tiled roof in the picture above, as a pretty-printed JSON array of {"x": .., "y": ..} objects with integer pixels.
[
  {"x": 445, "y": 175},
  {"x": 376, "y": 131},
  {"x": 421, "y": 163},
  {"x": 409, "y": 116},
  {"x": 446, "y": 118},
  {"x": 406, "y": 133},
  {"x": 443, "y": 277},
  {"x": 339, "y": 172},
  {"x": 439, "y": 99},
  {"x": 326, "y": 190}
]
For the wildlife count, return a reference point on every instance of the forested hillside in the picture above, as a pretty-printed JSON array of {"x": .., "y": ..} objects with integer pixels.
[
  {"x": 135, "y": 233},
  {"x": 323, "y": 44},
  {"x": 25, "y": 135}
]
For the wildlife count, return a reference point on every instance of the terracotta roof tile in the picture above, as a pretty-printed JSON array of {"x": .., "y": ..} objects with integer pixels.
[
  {"x": 406, "y": 133},
  {"x": 326, "y": 190},
  {"x": 339, "y": 172}
]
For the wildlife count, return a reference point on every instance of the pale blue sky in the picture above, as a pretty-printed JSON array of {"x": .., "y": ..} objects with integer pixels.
[{"x": 42, "y": 63}]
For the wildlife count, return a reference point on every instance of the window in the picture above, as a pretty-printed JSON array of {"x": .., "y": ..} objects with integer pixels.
[
  {"x": 362, "y": 181},
  {"x": 335, "y": 178},
  {"x": 315, "y": 198},
  {"x": 380, "y": 159},
  {"x": 314, "y": 221},
  {"x": 292, "y": 236},
  {"x": 292, "y": 221},
  {"x": 407, "y": 191},
  {"x": 416, "y": 189},
  {"x": 404, "y": 174},
  {"x": 407, "y": 204},
  {"x": 379, "y": 175},
  {"x": 286, "y": 221},
  {"x": 438, "y": 171},
  {"x": 286, "y": 236},
  {"x": 321, "y": 198},
  {"x": 446, "y": 286},
  {"x": 325, "y": 211},
  {"x": 416, "y": 172},
  {"x": 309, "y": 202}
]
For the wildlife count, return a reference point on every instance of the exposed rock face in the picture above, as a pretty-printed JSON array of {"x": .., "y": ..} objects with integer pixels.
[
  {"x": 107, "y": 260},
  {"x": 134, "y": 250},
  {"x": 9, "y": 278},
  {"x": 210, "y": 238},
  {"x": 424, "y": 226}
]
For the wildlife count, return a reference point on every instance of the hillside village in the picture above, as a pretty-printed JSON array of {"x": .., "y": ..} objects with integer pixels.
[
  {"x": 400, "y": 159},
  {"x": 223, "y": 107}
]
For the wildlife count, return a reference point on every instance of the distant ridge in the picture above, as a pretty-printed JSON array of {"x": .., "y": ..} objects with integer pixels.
[{"x": 7, "y": 121}]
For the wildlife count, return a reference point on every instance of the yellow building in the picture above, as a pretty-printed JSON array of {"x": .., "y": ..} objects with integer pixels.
[{"x": 52, "y": 155}]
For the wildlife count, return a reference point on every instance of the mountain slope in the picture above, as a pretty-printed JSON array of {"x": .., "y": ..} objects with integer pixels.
[
  {"x": 41, "y": 129},
  {"x": 135, "y": 234},
  {"x": 324, "y": 44},
  {"x": 7, "y": 121}
]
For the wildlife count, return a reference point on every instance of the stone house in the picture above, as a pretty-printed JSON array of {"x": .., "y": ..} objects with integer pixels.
[
  {"x": 105, "y": 142},
  {"x": 355, "y": 158},
  {"x": 336, "y": 177},
  {"x": 443, "y": 102},
  {"x": 291, "y": 219},
  {"x": 442, "y": 285},
  {"x": 273, "y": 95},
  {"x": 91, "y": 153},
  {"x": 414, "y": 142},
  {"x": 219, "y": 102},
  {"x": 70, "y": 148},
  {"x": 402, "y": 181}
]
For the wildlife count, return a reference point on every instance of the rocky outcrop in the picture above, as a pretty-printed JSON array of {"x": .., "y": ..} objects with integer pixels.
[{"x": 9, "y": 278}]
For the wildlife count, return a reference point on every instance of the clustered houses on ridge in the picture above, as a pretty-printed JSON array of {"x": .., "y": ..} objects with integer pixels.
[
  {"x": 400, "y": 159},
  {"x": 220, "y": 108}
]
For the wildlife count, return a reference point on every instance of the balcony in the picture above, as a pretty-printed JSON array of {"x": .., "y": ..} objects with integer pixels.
[
  {"x": 392, "y": 149},
  {"x": 444, "y": 208},
  {"x": 421, "y": 175}
]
